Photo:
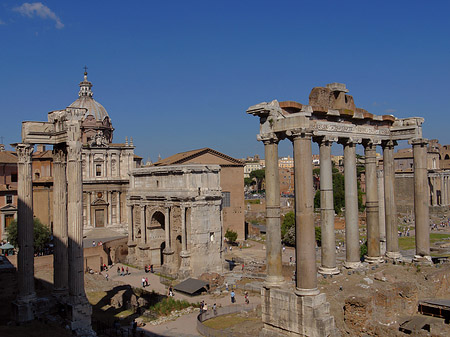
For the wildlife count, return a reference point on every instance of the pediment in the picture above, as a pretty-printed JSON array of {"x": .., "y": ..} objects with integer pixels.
[{"x": 8, "y": 208}]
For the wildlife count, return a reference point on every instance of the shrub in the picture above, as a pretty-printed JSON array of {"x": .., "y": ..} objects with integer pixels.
[{"x": 231, "y": 236}]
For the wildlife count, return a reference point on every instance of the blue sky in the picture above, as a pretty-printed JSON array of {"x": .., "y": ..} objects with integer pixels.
[{"x": 179, "y": 75}]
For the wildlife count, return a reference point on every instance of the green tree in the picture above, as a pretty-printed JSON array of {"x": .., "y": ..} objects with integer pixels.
[
  {"x": 288, "y": 222},
  {"x": 231, "y": 236},
  {"x": 318, "y": 235},
  {"x": 41, "y": 235},
  {"x": 258, "y": 176},
  {"x": 248, "y": 181}
]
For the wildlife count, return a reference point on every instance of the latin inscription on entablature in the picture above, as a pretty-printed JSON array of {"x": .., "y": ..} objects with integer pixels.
[{"x": 321, "y": 127}]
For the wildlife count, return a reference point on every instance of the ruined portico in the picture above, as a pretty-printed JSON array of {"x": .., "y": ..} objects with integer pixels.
[
  {"x": 63, "y": 132},
  {"x": 330, "y": 116}
]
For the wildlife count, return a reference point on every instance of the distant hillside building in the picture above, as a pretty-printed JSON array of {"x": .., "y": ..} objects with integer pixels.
[{"x": 231, "y": 183}]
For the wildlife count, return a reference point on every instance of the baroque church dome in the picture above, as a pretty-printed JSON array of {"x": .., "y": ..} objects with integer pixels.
[
  {"x": 96, "y": 127},
  {"x": 85, "y": 100}
]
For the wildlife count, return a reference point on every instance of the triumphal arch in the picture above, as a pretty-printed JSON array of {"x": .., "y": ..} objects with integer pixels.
[
  {"x": 331, "y": 116},
  {"x": 63, "y": 132}
]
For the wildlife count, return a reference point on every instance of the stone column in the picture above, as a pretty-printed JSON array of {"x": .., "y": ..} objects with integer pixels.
[
  {"x": 109, "y": 195},
  {"x": 381, "y": 213},
  {"x": 110, "y": 165},
  {"x": 130, "y": 223},
  {"x": 421, "y": 211},
  {"x": 351, "y": 205},
  {"x": 183, "y": 229},
  {"x": 88, "y": 209},
  {"x": 119, "y": 220},
  {"x": 167, "y": 228},
  {"x": 433, "y": 191},
  {"x": 305, "y": 243},
  {"x": 75, "y": 212},
  {"x": 60, "y": 228},
  {"x": 185, "y": 255},
  {"x": 373, "y": 228},
  {"x": 168, "y": 267},
  {"x": 23, "y": 306},
  {"x": 392, "y": 250},
  {"x": 273, "y": 229},
  {"x": 328, "y": 259},
  {"x": 143, "y": 229}
]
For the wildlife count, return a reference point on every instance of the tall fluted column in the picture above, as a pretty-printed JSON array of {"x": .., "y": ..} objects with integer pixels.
[
  {"x": 60, "y": 226},
  {"x": 328, "y": 259},
  {"x": 183, "y": 229},
  {"x": 421, "y": 211},
  {"x": 185, "y": 268},
  {"x": 373, "y": 228},
  {"x": 88, "y": 209},
  {"x": 351, "y": 205},
  {"x": 130, "y": 223},
  {"x": 390, "y": 209},
  {"x": 75, "y": 212},
  {"x": 143, "y": 229},
  {"x": 167, "y": 228},
  {"x": 118, "y": 213},
  {"x": 381, "y": 213},
  {"x": 305, "y": 242},
  {"x": 25, "y": 262},
  {"x": 168, "y": 266},
  {"x": 273, "y": 230},
  {"x": 109, "y": 194}
]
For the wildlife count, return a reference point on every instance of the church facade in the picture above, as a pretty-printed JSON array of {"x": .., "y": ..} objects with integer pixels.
[{"x": 105, "y": 166}]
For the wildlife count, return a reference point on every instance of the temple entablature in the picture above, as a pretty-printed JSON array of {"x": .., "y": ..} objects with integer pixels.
[{"x": 332, "y": 113}]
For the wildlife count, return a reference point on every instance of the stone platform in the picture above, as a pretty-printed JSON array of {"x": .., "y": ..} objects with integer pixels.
[{"x": 285, "y": 313}]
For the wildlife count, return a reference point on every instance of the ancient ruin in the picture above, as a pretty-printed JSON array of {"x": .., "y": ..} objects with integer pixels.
[
  {"x": 63, "y": 131},
  {"x": 331, "y": 116},
  {"x": 175, "y": 219}
]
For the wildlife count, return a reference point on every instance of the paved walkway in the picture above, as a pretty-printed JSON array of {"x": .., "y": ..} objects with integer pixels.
[{"x": 186, "y": 325}]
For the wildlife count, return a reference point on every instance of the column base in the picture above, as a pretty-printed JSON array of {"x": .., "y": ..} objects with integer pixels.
[
  {"x": 328, "y": 271},
  {"x": 306, "y": 292},
  {"x": 394, "y": 256},
  {"x": 79, "y": 312},
  {"x": 352, "y": 265},
  {"x": 285, "y": 313},
  {"x": 373, "y": 259},
  {"x": 23, "y": 309},
  {"x": 185, "y": 270},
  {"x": 426, "y": 260}
]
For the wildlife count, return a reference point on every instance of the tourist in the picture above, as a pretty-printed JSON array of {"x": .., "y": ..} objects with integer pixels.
[
  {"x": 226, "y": 286},
  {"x": 118, "y": 271},
  {"x": 146, "y": 282},
  {"x": 143, "y": 282},
  {"x": 246, "y": 298},
  {"x": 201, "y": 307},
  {"x": 205, "y": 307},
  {"x": 93, "y": 243},
  {"x": 233, "y": 299},
  {"x": 146, "y": 269},
  {"x": 215, "y": 309},
  {"x": 106, "y": 276},
  {"x": 134, "y": 327},
  {"x": 170, "y": 291},
  {"x": 151, "y": 269},
  {"x": 128, "y": 272},
  {"x": 122, "y": 273}
]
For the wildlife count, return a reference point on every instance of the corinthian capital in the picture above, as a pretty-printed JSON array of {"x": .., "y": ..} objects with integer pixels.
[
  {"x": 24, "y": 152},
  {"x": 268, "y": 138}
]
